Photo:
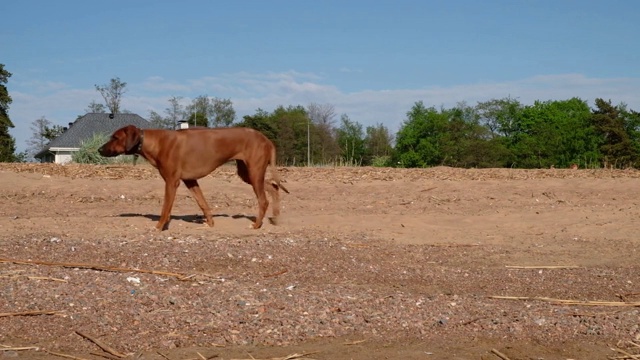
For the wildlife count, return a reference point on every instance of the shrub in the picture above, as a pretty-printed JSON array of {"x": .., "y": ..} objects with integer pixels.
[
  {"x": 381, "y": 161},
  {"x": 88, "y": 153}
]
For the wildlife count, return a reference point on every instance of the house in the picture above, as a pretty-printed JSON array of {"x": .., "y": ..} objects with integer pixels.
[{"x": 60, "y": 149}]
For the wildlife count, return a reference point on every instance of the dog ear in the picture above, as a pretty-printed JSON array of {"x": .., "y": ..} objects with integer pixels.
[{"x": 132, "y": 140}]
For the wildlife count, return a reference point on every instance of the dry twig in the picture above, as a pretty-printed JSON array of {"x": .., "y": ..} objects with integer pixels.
[
  {"x": 18, "y": 348},
  {"x": 543, "y": 267},
  {"x": 64, "y": 355},
  {"x": 354, "y": 342},
  {"x": 101, "y": 345},
  {"x": 31, "y": 313},
  {"x": 276, "y": 274},
  {"x": 288, "y": 357},
  {"x": 569, "y": 302},
  {"x": 105, "y": 355},
  {"x": 499, "y": 354}
]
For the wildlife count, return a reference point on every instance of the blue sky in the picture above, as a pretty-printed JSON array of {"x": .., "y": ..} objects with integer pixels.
[{"x": 371, "y": 60}]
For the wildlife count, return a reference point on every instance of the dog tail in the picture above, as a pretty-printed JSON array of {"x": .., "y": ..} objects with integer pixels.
[{"x": 275, "y": 177}]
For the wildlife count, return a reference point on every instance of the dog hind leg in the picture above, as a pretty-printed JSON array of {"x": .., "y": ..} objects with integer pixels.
[{"x": 195, "y": 190}]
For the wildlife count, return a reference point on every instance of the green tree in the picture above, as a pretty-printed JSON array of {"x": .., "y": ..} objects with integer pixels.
[
  {"x": 499, "y": 115},
  {"x": 7, "y": 142},
  {"x": 198, "y": 119},
  {"x": 291, "y": 140},
  {"x": 112, "y": 94},
  {"x": 418, "y": 142},
  {"x": 555, "y": 133},
  {"x": 217, "y": 112},
  {"x": 221, "y": 112},
  {"x": 378, "y": 145},
  {"x": 467, "y": 143},
  {"x": 616, "y": 134},
  {"x": 350, "y": 138},
  {"x": 198, "y": 111},
  {"x": 631, "y": 120}
]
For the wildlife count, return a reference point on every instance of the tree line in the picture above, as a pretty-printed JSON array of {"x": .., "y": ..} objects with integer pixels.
[
  {"x": 494, "y": 133},
  {"x": 506, "y": 133}
]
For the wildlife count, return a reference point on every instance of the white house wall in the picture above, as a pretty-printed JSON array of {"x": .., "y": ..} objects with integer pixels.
[{"x": 63, "y": 157}]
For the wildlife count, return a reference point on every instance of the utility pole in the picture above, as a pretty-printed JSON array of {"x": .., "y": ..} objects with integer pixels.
[{"x": 308, "y": 143}]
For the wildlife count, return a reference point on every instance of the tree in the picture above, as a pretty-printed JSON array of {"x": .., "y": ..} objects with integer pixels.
[
  {"x": 198, "y": 111},
  {"x": 174, "y": 113},
  {"x": 351, "y": 140},
  {"x": 221, "y": 112},
  {"x": 95, "y": 107},
  {"x": 198, "y": 119},
  {"x": 7, "y": 142},
  {"x": 291, "y": 134},
  {"x": 378, "y": 145},
  {"x": 617, "y": 146},
  {"x": 499, "y": 115},
  {"x": 43, "y": 131},
  {"x": 217, "y": 112},
  {"x": 555, "y": 133},
  {"x": 112, "y": 94},
  {"x": 321, "y": 133},
  {"x": 261, "y": 121},
  {"x": 418, "y": 142}
]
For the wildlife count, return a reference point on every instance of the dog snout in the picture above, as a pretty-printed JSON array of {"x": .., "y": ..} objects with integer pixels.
[{"x": 105, "y": 150}]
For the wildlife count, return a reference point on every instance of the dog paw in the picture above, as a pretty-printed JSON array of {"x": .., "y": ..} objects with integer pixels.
[{"x": 256, "y": 226}]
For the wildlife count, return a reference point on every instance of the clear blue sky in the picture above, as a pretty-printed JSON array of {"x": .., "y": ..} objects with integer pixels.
[{"x": 371, "y": 59}]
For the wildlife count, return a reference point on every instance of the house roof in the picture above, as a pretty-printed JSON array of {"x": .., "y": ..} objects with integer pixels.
[{"x": 90, "y": 124}]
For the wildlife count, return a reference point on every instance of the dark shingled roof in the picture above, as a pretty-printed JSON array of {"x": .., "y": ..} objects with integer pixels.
[{"x": 93, "y": 123}]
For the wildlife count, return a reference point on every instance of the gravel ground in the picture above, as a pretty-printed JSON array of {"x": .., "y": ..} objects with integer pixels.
[{"x": 338, "y": 286}]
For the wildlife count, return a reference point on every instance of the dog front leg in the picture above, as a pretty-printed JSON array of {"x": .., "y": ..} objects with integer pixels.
[{"x": 170, "y": 187}]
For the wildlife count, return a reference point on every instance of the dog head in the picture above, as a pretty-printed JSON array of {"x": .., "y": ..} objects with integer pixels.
[{"x": 123, "y": 141}]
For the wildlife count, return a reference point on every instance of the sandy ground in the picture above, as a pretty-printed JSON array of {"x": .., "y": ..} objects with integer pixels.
[{"x": 365, "y": 263}]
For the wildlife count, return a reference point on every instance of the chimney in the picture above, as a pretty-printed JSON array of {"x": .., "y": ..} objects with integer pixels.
[
  {"x": 70, "y": 124},
  {"x": 183, "y": 124}
]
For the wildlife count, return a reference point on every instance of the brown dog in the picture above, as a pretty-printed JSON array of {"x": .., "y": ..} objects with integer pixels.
[{"x": 191, "y": 154}]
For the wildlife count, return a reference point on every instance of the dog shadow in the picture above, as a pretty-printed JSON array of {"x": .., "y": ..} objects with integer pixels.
[{"x": 195, "y": 219}]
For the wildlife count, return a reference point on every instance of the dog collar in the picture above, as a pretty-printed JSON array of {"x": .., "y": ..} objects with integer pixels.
[{"x": 139, "y": 149}]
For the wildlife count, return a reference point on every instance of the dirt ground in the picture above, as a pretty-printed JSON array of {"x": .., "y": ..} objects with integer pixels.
[{"x": 365, "y": 263}]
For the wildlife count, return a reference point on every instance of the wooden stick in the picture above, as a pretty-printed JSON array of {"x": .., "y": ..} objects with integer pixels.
[
  {"x": 105, "y": 355},
  {"x": 354, "y": 342},
  {"x": 101, "y": 345},
  {"x": 289, "y": 357},
  {"x": 8, "y": 348},
  {"x": 92, "y": 267},
  {"x": 569, "y": 302},
  {"x": 31, "y": 313},
  {"x": 500, "y": 355},
  {"x": 627, "y": 355},
  {"x": 276, "y": 274},
  {"x": 543, "y": 267},
  {"x": 45, "y": 278},
  {"x": 64, "y": 355}
]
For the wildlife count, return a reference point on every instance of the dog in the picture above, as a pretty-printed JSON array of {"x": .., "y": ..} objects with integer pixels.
[{"x": 190, "y": 154}]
